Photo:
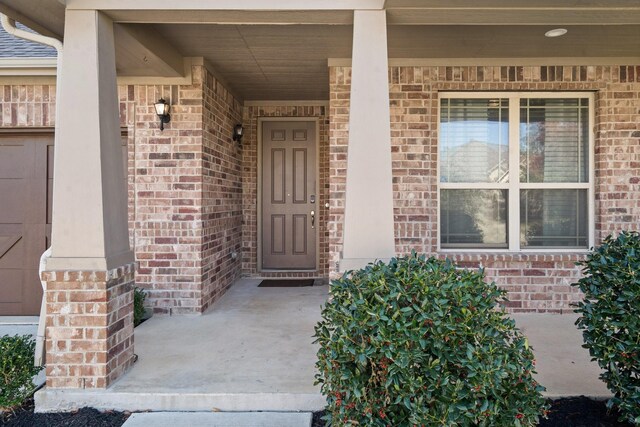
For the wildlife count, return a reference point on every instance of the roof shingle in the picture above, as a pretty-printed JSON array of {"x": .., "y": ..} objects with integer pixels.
[{"x": 14, "y": 47}]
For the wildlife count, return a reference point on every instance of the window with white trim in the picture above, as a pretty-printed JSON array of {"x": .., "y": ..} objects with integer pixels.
[{"x": 516, "y": 171}]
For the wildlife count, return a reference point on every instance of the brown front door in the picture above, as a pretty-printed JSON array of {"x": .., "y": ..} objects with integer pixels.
[
  {"x": 289, "y": 195},
  {"x": 26, "y": 171}
]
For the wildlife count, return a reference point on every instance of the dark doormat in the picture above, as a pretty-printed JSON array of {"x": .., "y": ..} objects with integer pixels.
[{"x": 285, "y": 283}]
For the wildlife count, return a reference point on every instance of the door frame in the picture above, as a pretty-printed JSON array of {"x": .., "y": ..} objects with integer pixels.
[{"x": 261, "y": 120}]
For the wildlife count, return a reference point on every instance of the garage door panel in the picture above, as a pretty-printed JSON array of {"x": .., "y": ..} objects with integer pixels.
[
  {"x": 49, "y": 171},
  {"x": 12, "y": 194},
  {"x": 49, "y": 202},
  {"x": 25, "y": 178},
  {"x": 13, "y": 257},
  {"x": 32, "y": 292},
  {"x": 11, "y": 309},
  {"x": 7, "y": 243},
  {"x": 12, "y": 160},
  {"x": 11, "y": 286}
]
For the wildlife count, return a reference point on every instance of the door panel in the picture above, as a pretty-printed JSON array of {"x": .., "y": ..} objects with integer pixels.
[
  {"x": 289, "y": 195},
  {"x": 278, "y": 159},
  {"x": 299, "y": 175}
]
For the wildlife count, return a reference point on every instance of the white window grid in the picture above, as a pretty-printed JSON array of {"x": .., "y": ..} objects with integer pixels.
[{"x": 514, "y": 185}]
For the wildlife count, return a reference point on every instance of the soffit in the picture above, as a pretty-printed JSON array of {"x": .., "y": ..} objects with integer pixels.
[
  {"x": 510, "y": 41},
  {"x": 44, "y": 16},
  {"x": 266, "y": 62},
  {"x": 290, "y": 61}
]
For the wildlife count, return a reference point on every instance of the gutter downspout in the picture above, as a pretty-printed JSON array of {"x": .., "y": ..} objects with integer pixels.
[{"x": 9, "y": 25}]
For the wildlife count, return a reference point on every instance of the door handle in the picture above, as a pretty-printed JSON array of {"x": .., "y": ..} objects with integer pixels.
[{"x": 313, "y": 219}]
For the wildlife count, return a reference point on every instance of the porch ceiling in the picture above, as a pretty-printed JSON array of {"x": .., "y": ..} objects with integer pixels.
[
  {"x": 264, "y": 61},
  {"x": 280, "y": 52},
  {"x": 283, "y": 62}
]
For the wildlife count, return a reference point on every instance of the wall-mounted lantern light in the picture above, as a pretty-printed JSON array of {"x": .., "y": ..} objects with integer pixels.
[
  {"x": 162, "y": 110},
  {"x": 238, "y": 132}
]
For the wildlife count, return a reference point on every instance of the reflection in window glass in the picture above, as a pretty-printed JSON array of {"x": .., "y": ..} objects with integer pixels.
[
  {"x": 553, "y": 218},
  {"x": 473, "y": 218},
  {"x": 474, "y": 140},
  {"x": 554, "y": 140}
]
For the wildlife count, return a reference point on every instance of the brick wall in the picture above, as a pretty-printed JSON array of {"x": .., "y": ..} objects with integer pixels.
[
  {"x": 27, "y": 105},
  {"x": 187, "y": 194},
  {"x": 535, "y": 282},
  {"x": 250, "y": 185},
  {"x": 167, "y": 189},
  {"x": 184, "y": 184},
  {"x": 89, "y": 327},
  {"x": 222, "y": 191}
]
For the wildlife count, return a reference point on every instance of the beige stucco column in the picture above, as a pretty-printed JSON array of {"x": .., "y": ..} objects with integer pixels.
[
  {"x": 90, "y": 273},
  {"x": 368, "y": 225},
  {"x": 89, "y": 229}
]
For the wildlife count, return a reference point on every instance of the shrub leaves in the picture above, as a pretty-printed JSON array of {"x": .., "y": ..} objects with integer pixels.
[
  {"x": 610, "y": 318},
  {"x": 419, "y": 342}
]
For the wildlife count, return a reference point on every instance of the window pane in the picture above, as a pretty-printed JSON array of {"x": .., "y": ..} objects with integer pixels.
[
  {"x": 473, "y": 218},
  {"x": 553, "y": 218},
  {"x": 474, "y": 140},
  {"x": 554, "y": 140}
]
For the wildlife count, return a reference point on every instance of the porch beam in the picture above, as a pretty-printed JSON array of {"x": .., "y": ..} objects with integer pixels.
[
  {"x": 400, "y": 12},
  {"x": 106, "y": 5},
  {"x": 142, "y": 51},
  {"x": 368, "y": 223},
  {"x": 89, "y": 226},
  {"x": 239, "y": 17},
  {"x": 514, "y": 16},
  {"x": 520, "y": 4}
]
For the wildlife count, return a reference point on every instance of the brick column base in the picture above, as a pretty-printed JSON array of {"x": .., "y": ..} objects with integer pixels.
[{"x": 89, "y": 326}]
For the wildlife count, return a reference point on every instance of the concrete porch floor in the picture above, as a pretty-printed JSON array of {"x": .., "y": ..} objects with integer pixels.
[{"x": 253, "y": 352}]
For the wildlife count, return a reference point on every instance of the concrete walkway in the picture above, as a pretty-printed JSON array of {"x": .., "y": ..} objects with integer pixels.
[
  {"x": 220, "y": 419},
  {"x": 564, "y": 367},
  {"x": 253, "y": 351}
]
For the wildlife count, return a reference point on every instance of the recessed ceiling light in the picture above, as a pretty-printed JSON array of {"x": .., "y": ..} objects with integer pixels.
[{"x": 556, "y": 32}]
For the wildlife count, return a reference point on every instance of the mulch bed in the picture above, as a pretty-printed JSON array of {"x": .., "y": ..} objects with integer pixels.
[
  {"x": 572, "y": 412},
  {"x": 25, "y": 417}
]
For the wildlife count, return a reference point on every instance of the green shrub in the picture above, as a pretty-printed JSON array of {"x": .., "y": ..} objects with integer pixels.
[
  {"x": 139, "y": 296},
  {"x": 17, "y": 370},
  {"x": 610, "y": 318},
  {"x": 419, "y": 342}
]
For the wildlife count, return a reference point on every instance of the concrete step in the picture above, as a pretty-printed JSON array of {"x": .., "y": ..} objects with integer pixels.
[
  {"x": 220, "y": 419},
  {"x": 52, "y": 400}
]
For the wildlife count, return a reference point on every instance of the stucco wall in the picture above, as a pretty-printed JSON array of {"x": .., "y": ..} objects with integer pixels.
[{"x": 535, "y": 282}]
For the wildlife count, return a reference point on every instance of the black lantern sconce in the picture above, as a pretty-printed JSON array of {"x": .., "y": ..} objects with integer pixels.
[
  {"x": 238, "y": 132},
  {"x": 162, "y": 110}
]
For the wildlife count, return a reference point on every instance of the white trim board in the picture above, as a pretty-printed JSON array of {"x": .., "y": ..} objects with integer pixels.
[
  {"x": 496, "y": 62},
  {"x": 514, "y": 185},
  {"x": 19, "y": 320},
  {"x": 285, "y": 103}
]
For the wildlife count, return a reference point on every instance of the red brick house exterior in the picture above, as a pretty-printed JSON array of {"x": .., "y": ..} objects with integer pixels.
[{"x": 193, "y": 193}]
